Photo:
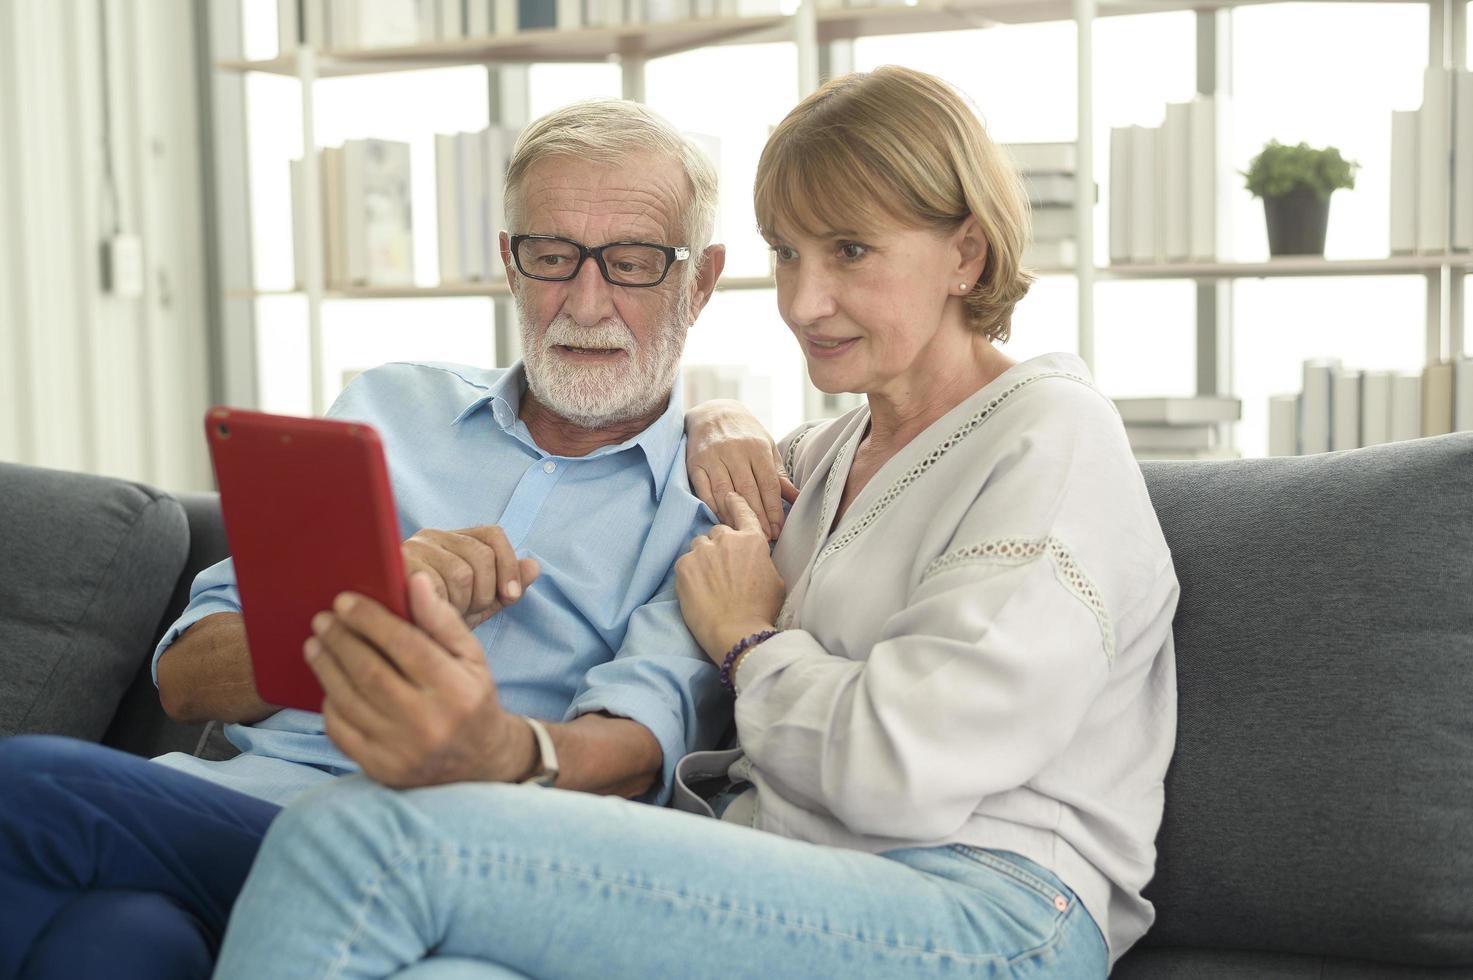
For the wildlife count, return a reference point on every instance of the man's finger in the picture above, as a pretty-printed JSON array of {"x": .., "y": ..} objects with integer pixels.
[
  {"x": 441, "y": 623},
  {"x": 339, "y": 687},
  {"x": 480, "y": 558},
  {"x": 419, "y": 658},
  {"x": 508, "y": 575},
  {"x": 744, "y": 518},
  {"x": 721, "y": 488}
]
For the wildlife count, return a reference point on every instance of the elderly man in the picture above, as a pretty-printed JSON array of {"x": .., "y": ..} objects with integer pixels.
[{"x": 565, "y": 476}]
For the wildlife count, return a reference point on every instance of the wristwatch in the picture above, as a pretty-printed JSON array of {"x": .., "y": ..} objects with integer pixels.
[{"x": 546, "y": 773}]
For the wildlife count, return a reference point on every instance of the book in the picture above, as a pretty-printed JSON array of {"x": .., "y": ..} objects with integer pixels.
[
  {"x": 450, "y": 20},
  {"x": 1316, "y": 406},
  {"x": 1045, "y": 158},
  {"x": 1120, "y": 195},
  {"x": 1053, "y": 222},
  {"x": 1174, "y": 188},
  {"x": 1058, "y": 253},
  {"x": 1406, "y": 406},
  {"x": 1404, "y": 182},
  {"x": 330, "y": 164},
  {"x": 1462, "y": 232},
  {"x": 536, "y": 14},
  {"x": 1180, "y": 411},
  {"x": 288, "y": 26},
  {"x": 1434, "y": 162},
  {"x": 315, "y": 29},
  {"x": 447, "y": 208},
  {"x": 1050, "y": 190},
  {"x": 478, "y": 18},
  {"x": 1345, "y": 401},
  {"x": 1437, "y": 399},
  {"x": 1463, "y": 393},
  {"x": 1375, "y": 407},
  {"x": 1164, "y": 437},
  {"x": 471, "y": 172},
  {"x": 496, "y": 147},
  {"x": 504, "y": 16},
  {"x": 569, "y": 14},
  {"x": 379, "y": 230},
  {"x": 1144, "y": 246},
  {"x": 1283, "y": 425},
  {"x": 1210, "y": 237}
]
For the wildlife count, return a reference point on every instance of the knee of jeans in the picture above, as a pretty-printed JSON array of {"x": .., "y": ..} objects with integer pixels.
[{"x": 351, "y": 813}]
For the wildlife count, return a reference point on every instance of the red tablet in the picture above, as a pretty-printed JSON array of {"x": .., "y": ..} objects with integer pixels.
[{"x": 308, "y": 514}]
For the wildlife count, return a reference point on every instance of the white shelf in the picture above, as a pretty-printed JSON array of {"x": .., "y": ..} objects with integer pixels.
[
  {"x": 1288, "y": 268},
  {"x": 490, "y": 290}
]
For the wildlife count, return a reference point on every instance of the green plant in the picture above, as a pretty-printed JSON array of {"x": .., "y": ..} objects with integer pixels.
[{"x": 1280, "y": 169}]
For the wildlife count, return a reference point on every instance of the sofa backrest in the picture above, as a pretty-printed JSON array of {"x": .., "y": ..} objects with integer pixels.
[{"x": 1321, "y": 795}]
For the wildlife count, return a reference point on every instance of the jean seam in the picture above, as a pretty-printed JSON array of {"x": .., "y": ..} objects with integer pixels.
[
  {"x": 1042, "y": 888},
  {"x": 463, "y": 859}
]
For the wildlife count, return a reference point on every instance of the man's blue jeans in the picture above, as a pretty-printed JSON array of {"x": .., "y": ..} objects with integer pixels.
[
  {"x": 511, "y": 881},
  {"x": 115, "y": 866}
]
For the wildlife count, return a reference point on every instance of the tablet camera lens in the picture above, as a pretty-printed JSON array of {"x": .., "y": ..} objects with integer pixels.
[{"x": 223, "y": 430}]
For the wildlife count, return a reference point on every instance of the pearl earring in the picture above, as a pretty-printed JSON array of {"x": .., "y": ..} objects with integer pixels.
[{"x": 963, "y": 285}]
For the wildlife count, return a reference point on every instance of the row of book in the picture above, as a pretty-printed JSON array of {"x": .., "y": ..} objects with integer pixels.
[
  {"x": 367, "y": 218},
  {"x": 1048, "y": 171},
  {"x": 1343, "y": 408},
  {"x": 345, "y": 25},
  {"x": 1432, "y": 167},
  {"x": 470, "y": 203},
  {"x": 1163, "y": 186},
  {"x": 1179, "y": 428}
]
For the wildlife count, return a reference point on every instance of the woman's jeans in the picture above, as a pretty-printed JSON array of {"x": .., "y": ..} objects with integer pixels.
[{"x": 354, "y": 880}]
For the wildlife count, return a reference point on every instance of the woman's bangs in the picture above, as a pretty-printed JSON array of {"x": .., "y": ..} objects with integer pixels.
[{"x": 818, "y": 186}]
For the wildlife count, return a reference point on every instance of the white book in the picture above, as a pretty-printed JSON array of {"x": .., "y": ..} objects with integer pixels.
[
  {"x": 1180, "y": 411},
  {"x": 388, "y": 23},
  {"x": 1283, "y": 425},
  {"x": 1053, "y": 222},
  {"x": 355, "y": 231},
  {"x": 661, "y": 11},
  {"x": 1463, "y": 393},
  {"x": 314, "y": 24},
  {"x": 1345, "y": 423},
  {"x": 603, "y": 13},
  {"x": 477, "y": 18},
  {"x": 288, "y": 26},
  {"x": 496, "y": 147},
  {"x": 427, "y": 19},
  {"x": 1045, "y": 158},
  {"x": 504, "y": 17},
  {"x": 1316, "y": 406},
  {"x": 299, "y": 222},
  {"x": 1463, "y": 162},
  {"x": 450, "y": 20},
  {"x": 1143, "y": 245},
  {"x": 1375, "y": 407},
  {"x": 379, "y": 231},
  {"x": 1120, "y": 143},
  {"x": 447, "y": 208},
  {"x": 472, "y": 172},
  {"x": 1211, "y": 229},
  {"x": 1050, "y": 190},
  {"x": 1434, "y": 161},
  {"x": 1406, "y": 406},
  {"x": 1147, "y": 436},
  {"x": 1437, "y": 399},
  {"x": 342, "y": 23},
  {"x": 1056, "y": 253},
  {"x": 569, "y": 14},
  {"x": 1404, "y": 182},
  {"x": 1174, "y": 186},
  {"x": 335, "y": 267}
]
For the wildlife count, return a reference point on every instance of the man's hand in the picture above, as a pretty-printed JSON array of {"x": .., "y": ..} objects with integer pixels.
[
  {"x": 475, "y": 569},
  {"x": 728, "y": 451},
  {"x": 414, "y": 704}
]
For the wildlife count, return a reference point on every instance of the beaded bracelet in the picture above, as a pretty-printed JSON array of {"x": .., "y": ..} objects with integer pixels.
[{"x": 742, "y": 646}]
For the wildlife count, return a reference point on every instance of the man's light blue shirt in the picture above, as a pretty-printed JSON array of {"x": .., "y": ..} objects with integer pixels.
[{"x": 599, "y": 630}]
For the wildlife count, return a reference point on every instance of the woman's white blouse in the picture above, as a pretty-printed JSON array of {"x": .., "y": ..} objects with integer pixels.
[{"x": 980, "y": 652}]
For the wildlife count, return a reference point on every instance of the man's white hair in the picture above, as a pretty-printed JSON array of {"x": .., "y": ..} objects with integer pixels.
[{"x": 610, "y": 131}]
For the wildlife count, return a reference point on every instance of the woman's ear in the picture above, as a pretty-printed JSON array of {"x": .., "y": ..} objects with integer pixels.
[{"x": 971, "y": 250}]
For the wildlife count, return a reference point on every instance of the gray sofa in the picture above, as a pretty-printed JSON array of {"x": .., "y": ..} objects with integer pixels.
[{"x": 1319, "y": 809}]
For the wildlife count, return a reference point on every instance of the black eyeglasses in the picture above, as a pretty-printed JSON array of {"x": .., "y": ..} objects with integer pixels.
[{"x": 636, "y": 264}]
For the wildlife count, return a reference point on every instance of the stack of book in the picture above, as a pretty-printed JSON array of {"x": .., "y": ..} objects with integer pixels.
[
  {"x": 1163, "y": 186},
  {"x": 1179, "y": 428},
  {"x": 367, "y": 223},
  {"x": 1342, "y": 408},
  {"x": 1049, "y": 172},
  {"x": 353, "y": 24},
  {"x": 1431, "y": 215},
  {"x": 470, "y": 204}
]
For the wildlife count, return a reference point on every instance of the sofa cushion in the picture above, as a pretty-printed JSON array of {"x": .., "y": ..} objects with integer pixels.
[
  {"x": 1321, "y": 797},
  {"x": 89, "y": 565}
]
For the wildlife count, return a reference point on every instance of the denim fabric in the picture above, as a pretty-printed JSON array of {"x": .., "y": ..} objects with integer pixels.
[
  {"x": 115, "y": 866},
  {"x": 355, "y": 880}
]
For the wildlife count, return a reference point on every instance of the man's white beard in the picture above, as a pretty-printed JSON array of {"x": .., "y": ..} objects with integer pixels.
[{"x": 593, "y": 395}]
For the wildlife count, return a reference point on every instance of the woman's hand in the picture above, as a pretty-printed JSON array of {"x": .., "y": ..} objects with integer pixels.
[
  {"x": 728, "y": 451},
  {"x": 727, "y": 584}
]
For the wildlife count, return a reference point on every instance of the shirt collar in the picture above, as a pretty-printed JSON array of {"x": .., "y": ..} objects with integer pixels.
[{"x": 659, "y": 442}]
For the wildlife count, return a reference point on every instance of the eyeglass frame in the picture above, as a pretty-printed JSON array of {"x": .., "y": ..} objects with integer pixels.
[{"x": 673, "y": 254}]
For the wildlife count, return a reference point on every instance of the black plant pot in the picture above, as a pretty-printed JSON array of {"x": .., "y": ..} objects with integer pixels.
[{"x": 1296, "y": 222}]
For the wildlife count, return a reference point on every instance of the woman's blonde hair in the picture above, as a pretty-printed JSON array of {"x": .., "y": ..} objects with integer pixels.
[{"x": 899, "y": 144}]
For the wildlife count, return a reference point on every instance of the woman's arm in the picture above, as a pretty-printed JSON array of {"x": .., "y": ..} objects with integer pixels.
[{"x": 728, "y": 450}]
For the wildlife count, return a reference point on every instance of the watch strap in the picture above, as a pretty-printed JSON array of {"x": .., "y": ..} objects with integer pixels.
[{"x": 547, "y": 767}]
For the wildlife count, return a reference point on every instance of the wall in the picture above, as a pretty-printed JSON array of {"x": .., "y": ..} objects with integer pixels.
[{"x": 90, "y": 381}]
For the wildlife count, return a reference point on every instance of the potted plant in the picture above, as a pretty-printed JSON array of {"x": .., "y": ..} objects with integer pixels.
[{"x": 1295, "y": 183}]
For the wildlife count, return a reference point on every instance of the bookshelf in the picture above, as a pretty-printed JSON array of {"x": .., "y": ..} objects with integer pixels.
[{"x": 821, "y": 37}]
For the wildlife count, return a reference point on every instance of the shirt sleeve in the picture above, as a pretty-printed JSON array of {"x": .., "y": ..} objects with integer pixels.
[
  {"x": 660, "y": 678},
  {"x": 213, "y": 591}
]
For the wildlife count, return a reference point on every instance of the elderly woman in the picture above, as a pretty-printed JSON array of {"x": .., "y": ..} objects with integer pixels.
[{"x": 954, "y": 679}]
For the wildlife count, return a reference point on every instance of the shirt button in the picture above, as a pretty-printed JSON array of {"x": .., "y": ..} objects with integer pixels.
[
  {"x": 500, "y": 413},
  {"x": 549, "y": 467}
]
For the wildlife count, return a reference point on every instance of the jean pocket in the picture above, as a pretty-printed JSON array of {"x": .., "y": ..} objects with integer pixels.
[{"x": 1050, "y": 890}]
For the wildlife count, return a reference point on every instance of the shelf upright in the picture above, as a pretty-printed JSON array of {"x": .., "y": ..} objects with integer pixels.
[
  {"x": 1214, "y": 300},
  {"x": 311, "y": 201},
  {"x": 1084, "y": 179},
  {"x": 509, "y": 104}
]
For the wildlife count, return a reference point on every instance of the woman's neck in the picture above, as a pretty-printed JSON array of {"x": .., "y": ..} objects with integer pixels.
[{"x": 945, "y": 376}]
